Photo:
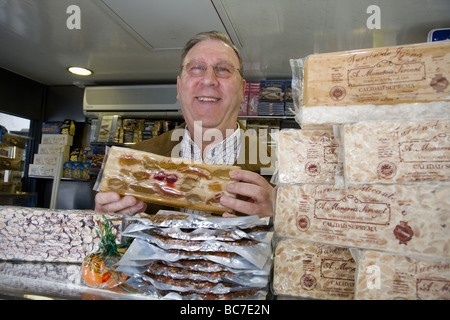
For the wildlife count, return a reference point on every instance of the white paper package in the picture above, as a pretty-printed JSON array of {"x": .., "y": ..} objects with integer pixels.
[
  {"x": 307, "y": 156},
  {"x": 313, "y": 270},
  {"x": 409, "y": 219},
  {"x": 388, "y": 276},
  {"x": 406, "y": 82},
  {"x": 395, "y": 152}
]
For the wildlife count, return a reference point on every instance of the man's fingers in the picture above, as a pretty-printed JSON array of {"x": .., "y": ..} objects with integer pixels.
[
  {"x": 250, "y": 177},
  {"x": 112, "y": 202}
]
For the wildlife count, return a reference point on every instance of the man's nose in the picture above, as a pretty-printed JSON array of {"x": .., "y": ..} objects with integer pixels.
[{"x": 210, "y": 78}]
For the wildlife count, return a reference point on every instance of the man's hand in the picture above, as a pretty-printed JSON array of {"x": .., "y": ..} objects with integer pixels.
[
  {"x": 254, "y": 194},
  {"x": 112, "y": 202}
]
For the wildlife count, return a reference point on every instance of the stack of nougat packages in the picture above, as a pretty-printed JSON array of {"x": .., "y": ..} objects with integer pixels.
[
  {"x": 363, "y": 188},
  {"x": 176, "y": 255}
]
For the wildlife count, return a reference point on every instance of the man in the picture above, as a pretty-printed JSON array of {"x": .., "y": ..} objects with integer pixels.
[{"x": 210, "y": 89}]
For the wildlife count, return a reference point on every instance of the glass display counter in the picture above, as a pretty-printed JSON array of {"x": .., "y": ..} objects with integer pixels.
[{"x": 56, "y": 281}]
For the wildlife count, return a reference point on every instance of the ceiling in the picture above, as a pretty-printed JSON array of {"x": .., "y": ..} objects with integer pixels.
[{"x": 140, "y": 41}]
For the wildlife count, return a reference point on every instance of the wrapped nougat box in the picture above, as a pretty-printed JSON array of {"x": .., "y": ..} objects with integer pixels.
[
  {"x": 396, "y": 152},
  {"x": 307, "y": 156},
  {"x": 387, "y": 276},
  {"x": 409, "y": 219},
  {"x": 388, "y": 75},
  {"x": 313, "y": 270},
  {"x": 401, "y": 82}
]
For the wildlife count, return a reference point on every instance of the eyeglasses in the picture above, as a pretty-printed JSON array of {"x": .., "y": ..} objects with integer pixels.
[{"x": 198, "y": 69}]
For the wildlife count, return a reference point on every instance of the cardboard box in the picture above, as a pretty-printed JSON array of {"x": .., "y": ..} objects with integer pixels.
[
  {"x": 271, "y": 98},
  {"x": 41, "y": 170},
  {"x": 253, "y": 98},
  {"x": 53, "y": 149},
  {"x": 244, "y": 104},
  {"x": 48, "y": 159},
  {"x": 63, "y": 139},
  {"x": 51, "y": 127}
]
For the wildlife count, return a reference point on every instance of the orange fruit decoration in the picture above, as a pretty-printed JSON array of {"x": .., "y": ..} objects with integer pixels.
[{"x": 98, "y": 267}]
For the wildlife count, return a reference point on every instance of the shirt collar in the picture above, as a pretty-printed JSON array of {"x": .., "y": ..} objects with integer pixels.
[{"x": 225, "y": 152}]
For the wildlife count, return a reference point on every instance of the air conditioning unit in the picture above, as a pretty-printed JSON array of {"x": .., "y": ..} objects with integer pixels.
[{"x": 140, "y": 101}]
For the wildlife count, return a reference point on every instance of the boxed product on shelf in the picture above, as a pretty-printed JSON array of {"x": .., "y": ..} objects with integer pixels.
[
  {"x": 132, "y": 130},
  {"x": 76, "y": 170},
  {"x": 53, "y": 149},
  {"x": 94, "y": 156},
  {"x": 51, "y": 127},
  {"x": 41, "y": 170},
  {"x": 68, "y": 127},
  {"x": 64, "y": 139},
  {"x": 131, "y": 124},
  {"x": 271, "y": 90},
  {"x": 11, "y": 164},
  {"x": 76, "y": 154},
  {"x": 266, "y": 108},
  {"x": 107, "y": 128},
  {"x": 253, "y": 98},
  {"x": 271, "y": 97},
  {"x": 48, "y": 159},
  {"x": 147, "y": 129},
  {"x": 243, "y": 110}
]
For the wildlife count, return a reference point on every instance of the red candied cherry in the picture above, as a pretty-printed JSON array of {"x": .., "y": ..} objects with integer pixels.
[
  {"x": 160, "y": 176},
  {"x": 171, "y": 178}
]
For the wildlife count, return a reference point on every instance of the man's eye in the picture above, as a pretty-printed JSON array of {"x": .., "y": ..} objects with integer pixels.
[
  {"x": 223, "y": 69},
  {"x": 197, "y": 67}
]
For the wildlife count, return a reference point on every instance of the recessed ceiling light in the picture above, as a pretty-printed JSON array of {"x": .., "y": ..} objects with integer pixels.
[{"x": 80, "y": 71}]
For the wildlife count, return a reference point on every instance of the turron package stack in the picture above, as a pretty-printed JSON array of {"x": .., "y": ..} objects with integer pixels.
[{"x": 363, "y": 188}]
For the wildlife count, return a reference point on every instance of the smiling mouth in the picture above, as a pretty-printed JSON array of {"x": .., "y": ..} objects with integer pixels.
[{"x": 207, "y": 99}]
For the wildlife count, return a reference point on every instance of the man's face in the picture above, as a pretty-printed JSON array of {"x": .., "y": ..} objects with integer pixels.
[{"x": 213, "y": 100}]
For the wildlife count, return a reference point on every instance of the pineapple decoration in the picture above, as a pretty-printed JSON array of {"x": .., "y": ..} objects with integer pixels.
[{"x": 98, "y": 267}]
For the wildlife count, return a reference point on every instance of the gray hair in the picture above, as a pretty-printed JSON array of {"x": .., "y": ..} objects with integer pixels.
[{"x": 213, "y": 35}]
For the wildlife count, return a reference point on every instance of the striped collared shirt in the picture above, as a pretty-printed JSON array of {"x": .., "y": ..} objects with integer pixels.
[{"x": 225, "y": 152}]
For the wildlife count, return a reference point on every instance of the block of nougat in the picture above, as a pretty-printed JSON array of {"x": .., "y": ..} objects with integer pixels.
[
  {"x": 307, "y": 156},
  {"x": 164, "y": 180},
  {"x": 396, "y": 152},
  {"x": 412, "y": 219},
  {"x": 37, "y": 234},
  {"x": 378, "y": 76},
  {"x": 387, "y": 276},
  {"x": 313, "y": 270}
]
